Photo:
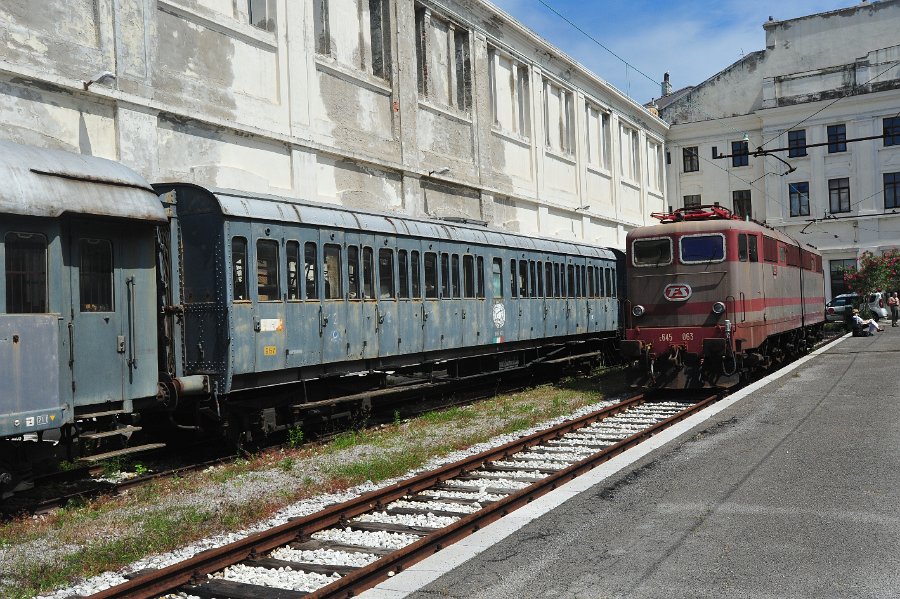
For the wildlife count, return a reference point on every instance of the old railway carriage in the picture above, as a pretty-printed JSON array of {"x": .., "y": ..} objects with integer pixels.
[
  {"x": 266, "y": 292},
  {"x": 77, "y": 293},
  {"x": 712, "y": 298}
]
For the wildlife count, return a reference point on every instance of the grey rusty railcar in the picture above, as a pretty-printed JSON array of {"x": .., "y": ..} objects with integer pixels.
[
  {"x": 77, "y": 290},
  {"x": 267, "y": 291}
]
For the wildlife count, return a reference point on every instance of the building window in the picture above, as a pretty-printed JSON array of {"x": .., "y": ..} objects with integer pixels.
[
  {"x": 837, "y": 138},
  {"x": 559, "y": 118},
  {"x": 892, "y": 131},
  {"x": 740, "y": 151},
  {"x": 692, "y": 201},
  {"x": 630, "y": 153},
  {"x": 95, "y": 276},
  {"x": 366, "y": 26},
  {"x": 797, "y": 143},
  {"x": 741, "y": 202},
  {"x": 654, "y": 166},
  {"x": 838, "y": 268},
  {"x": 799, "y": 195},
  {"x": 262, "y": 14},
  {"x": 598, "y": 136},
  {"x": 839, "y": 195},
  {"x": 446, "y": 45},
  {"x": 510, "y": 95},
  {"x": 691, "y": 159},
  {"x": 891, "y": 190},
  {"x": 26, "y": 273}
]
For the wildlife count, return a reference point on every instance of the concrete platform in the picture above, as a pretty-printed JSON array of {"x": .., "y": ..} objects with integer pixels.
[{"x": 789, "y": 489}]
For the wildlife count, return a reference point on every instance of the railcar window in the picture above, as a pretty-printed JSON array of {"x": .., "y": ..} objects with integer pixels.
[
  {"x": 559, "y": 280},
  {"x": 403, "y": 274},
  {"x": 782, "y": 254},
  {"x": 368, "y": 273},
  {"x": 353, "y": 272},
  {"x": 497, "y": 278},
  {"x": 513, "y": 288},
  {"x": 445, "y": 275},
  {"x": 95, "y": 275},
  {"x": 523, "y": 278},
  {"x": 532, "y": 287},
  {"x": 310, "y": 267},
  {"x": 431, "y": 278},
  {"x": 770, "y": 249},
  {"x": 26, "y": 273},
  {"x": 416, "y": 275},
  {"x": 702, "y": 248},
  {"x": 332, "y": 272},
  {"x": 598, "y": 281},
  {"x": 292, "y": 249},
  {"x": 238, "y": 268},
  {"x": 267, "y": 270},
  {"x": 610, "y": 282},
  {"x": 480, "y": 269},
  {"x": 548, "y": 275},
  {"x": 742, "y": 247},
  {"x": 651, "y": 252},
  {"x": 454, "y": 267},
  {"x": 386, "y": 273},
  {"x": 469, "y": 276},
  {"x": 570, "y": 283},
  {"x": 540, "y": 279},
  {"x": 584, "y": 282},
  {"x": 590, "y": 279}
]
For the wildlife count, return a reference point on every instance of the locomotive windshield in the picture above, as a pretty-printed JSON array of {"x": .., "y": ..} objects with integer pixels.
[
  {"x": 652, "y": 252},
  {"x": 702, "y": 248}
]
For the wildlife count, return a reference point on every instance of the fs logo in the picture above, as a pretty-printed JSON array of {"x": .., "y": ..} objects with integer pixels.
[{"x": 677, "y": 292}]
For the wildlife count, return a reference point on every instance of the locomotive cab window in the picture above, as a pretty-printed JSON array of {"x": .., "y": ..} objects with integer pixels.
[
  {"x": 747, "y": 248},
  {"x": 26, "y": 273},
  {"x": 651, "y": 252},
  {"x": 267, "y": 270},
  {"x": 239, "y": 269},
  {"x": 699, "y": 249},
  {"x": 95, "y": 275}
]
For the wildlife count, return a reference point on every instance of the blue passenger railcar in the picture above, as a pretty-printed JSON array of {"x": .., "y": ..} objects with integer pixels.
[
  {"x": 77, "y": 290},
  {"x": 268, "y": 291}
]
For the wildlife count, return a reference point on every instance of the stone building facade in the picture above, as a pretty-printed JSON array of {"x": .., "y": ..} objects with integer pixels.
[
  {"x": 448, "y": 108},
  {"x": 821, "y": 82}
]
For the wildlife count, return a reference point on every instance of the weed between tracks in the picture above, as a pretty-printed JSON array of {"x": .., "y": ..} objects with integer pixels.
[{"x": 86, "y": 538}]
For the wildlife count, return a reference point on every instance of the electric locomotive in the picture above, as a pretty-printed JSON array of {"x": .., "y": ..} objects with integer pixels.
[{"x": 714, "y": 298}]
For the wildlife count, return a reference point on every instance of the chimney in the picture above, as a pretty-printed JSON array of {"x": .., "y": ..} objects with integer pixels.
[{"x": 666, "y": 86}]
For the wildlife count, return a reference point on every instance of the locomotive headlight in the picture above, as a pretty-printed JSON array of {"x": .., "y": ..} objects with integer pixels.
[
  {"x": 719, "y": 308},
  {"x": 638, "y": 310}
]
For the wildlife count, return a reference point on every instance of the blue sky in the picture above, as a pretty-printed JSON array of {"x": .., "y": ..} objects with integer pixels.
[{"x": 690, "y": 40}]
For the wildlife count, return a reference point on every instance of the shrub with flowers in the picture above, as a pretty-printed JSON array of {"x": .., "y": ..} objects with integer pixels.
[{"x": 874, "y": 273}]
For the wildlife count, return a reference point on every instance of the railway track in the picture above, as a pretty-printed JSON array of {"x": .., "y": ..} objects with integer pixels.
[{"x": 349, "y": 547}]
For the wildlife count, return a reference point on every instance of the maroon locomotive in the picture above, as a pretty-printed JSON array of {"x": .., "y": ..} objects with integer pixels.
[{"x": 713, "y": 298}]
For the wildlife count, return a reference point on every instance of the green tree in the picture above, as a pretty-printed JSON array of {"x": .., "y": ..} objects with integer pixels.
[{"x": 874, "y": 273}]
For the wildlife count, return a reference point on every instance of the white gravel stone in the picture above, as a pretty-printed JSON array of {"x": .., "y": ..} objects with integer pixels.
[
  {"x": 326, "y": 557},
  {"x": 436, "y": 506},
  {"x": 510, "y": 474},
  {"x": 484, "y": 483},
  {"x": 479, "y": 495},
  {"x": 545, "y": 464},
  {"x": 429, "y": 520},
  {"x": 365, "y": 538},
  {"x": 282, "y": 578}
]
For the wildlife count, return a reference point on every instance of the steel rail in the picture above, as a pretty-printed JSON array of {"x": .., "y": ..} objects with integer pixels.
[{"x": 195, "y": 569}]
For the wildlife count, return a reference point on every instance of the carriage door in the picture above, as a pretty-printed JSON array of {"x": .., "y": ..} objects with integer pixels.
[
  {"x": 113, "y": 354},
  {"x": 268, "y": 319},
  {"x": 409, "y": 295},
  {"x": 336, "y": 343},
  {"x": 386, "y": 322},
  {"x": 302, "y": 307}
]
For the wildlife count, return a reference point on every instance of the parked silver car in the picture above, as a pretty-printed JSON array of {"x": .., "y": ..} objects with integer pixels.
[{"x": 837, "y": 308}]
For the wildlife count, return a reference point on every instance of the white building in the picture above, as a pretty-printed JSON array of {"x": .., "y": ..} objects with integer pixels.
[
  {"x": 823, "y": 80},
  {"x": 443, "y": 107}
]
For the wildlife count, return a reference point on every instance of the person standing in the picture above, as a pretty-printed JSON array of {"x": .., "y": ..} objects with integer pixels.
[{"x": 894, "y": 304}]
